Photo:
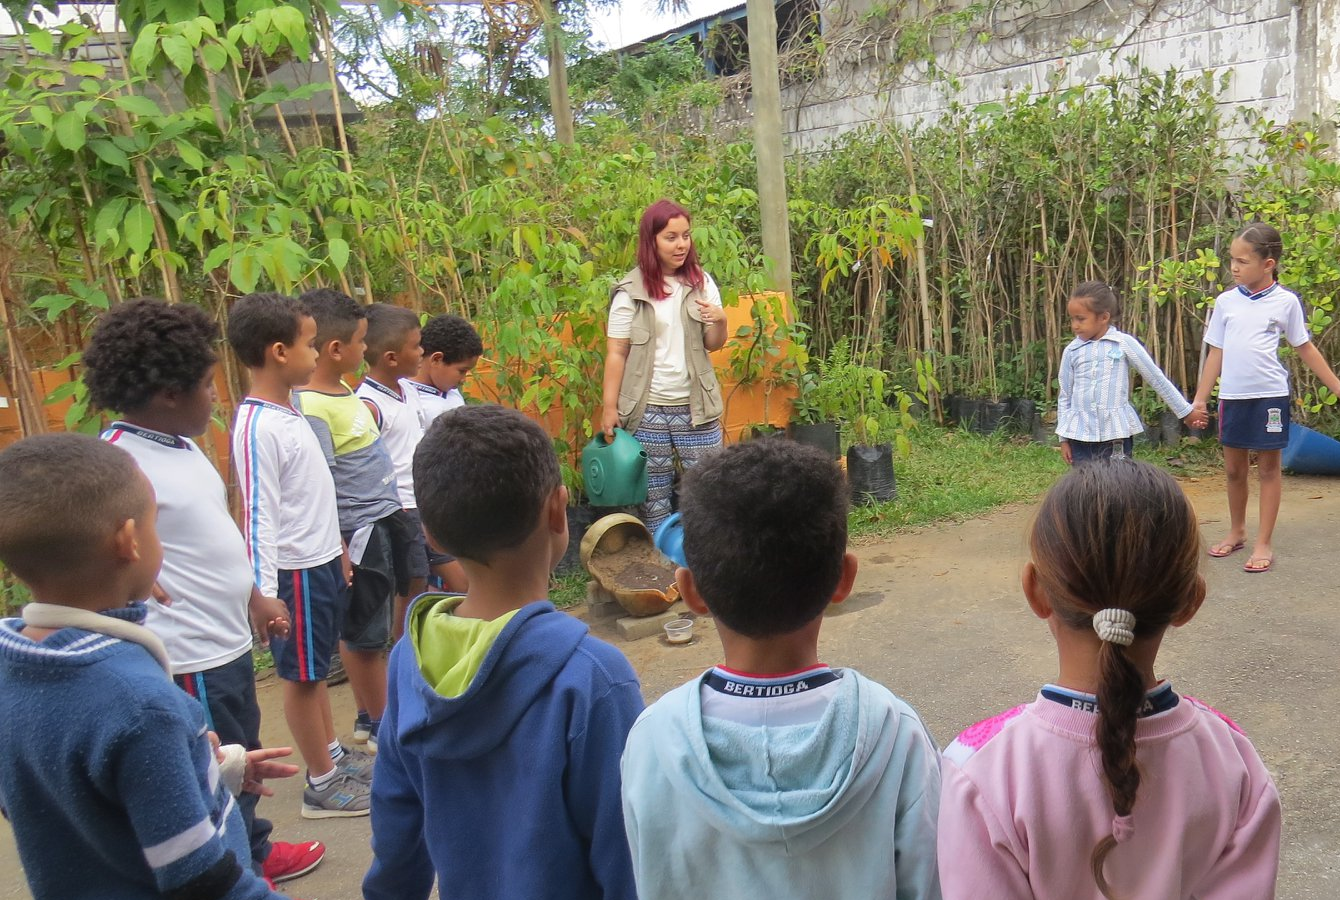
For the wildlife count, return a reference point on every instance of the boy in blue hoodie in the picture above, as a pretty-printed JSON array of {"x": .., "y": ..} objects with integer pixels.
[
  {"x": 773, "y": 775},
  {"x": 498, "y": 770}
]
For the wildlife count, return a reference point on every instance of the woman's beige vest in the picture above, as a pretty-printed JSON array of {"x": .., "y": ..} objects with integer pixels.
[{"x": 704, "y": 391}]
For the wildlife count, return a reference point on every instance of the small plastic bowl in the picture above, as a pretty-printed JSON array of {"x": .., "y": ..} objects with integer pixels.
[{"x": 679, "y": 631}]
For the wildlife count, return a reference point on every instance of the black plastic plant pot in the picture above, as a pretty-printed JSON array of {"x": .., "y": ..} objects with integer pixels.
[
  {"x": 1152, "y": 435},
  {"x": 1171, "y": 428},
  {"x": 1022, "y": 412},
  {"x": 992, "y": 417},
  {"x": 823, "y": 435},
  {"x": 580, "y": 518},
  {"x": 1042, "y": 432},
  {"x": 952, "y": 404},
  {"x": 969, "y": 413},
  {"x": 870, "y": 473}
]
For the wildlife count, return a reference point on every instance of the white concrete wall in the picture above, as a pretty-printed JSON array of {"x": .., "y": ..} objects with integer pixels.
[{"x": 1284, "y": 57}]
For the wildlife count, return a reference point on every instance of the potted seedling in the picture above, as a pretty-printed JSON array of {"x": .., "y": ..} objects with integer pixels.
[
  {"x": 859, "y": 392},
  {"x": 814, "y": 414}
]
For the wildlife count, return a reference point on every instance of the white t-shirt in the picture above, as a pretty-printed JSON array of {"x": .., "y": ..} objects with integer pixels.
[
  {"x": 402, "y": 420},
  {"x": 433, "y": 401},
  {"x": 1247, "y": 327},
  {"x": 670, "y": 371},
  {"x": 289, "y": 517},
  {"x": 205, "y": 571}
]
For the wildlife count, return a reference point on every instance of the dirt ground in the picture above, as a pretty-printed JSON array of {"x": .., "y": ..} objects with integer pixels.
[{"x": 937, "y": 616}]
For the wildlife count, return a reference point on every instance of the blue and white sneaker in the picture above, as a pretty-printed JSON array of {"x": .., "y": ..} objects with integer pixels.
[
  {"x": 344, "y": 796},
  {"x": 356, "y": 764}
]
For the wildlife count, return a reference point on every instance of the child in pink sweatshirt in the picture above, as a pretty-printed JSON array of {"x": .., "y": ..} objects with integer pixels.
[{"x": 1109, "y": 784}]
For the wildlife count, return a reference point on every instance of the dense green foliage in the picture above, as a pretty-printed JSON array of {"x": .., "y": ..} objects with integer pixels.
[{"x": 112, "y": 192}]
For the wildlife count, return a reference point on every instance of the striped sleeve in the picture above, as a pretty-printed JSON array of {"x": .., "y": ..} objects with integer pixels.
[
  {"x": 1065, "y": 398},
  {"x": 258, "y": 458},
  {"x": 180, "y": 813},
  {"x": 1149, "y": 370}
]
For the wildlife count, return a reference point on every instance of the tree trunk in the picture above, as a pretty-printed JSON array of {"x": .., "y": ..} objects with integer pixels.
[
  {"x": 560, "y": 104},
  {"x": 767, "y": 89}
]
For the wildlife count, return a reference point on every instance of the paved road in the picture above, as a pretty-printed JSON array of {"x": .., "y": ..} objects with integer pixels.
[{"x": 938, "y": 617}]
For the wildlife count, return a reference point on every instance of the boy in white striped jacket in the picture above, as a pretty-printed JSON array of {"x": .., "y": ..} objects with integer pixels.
[
  {"x": 1094, "y": 416},
  {"x": 291, "y": 528}
]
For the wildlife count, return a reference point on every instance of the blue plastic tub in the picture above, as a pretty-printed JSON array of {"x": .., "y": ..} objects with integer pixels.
[{"x": 1310, "y": 452}]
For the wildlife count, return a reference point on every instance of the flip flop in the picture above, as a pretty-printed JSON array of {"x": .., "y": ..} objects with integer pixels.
[
  {"x": 1224, "y": 548},
  {"x": 1255, "y": 570}
]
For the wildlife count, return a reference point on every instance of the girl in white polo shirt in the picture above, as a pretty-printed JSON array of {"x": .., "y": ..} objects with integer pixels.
[{"x": 1244, "y": 334}]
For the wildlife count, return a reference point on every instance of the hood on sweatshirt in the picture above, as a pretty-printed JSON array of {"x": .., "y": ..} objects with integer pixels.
[
  {"x": 793, "y": 785},
  {"x": 479, "y": 676}
]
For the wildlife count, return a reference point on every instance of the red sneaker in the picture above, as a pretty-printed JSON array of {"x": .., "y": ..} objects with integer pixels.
[{"x": 288, "y": 861}]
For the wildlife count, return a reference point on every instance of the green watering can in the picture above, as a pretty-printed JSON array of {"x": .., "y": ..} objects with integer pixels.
[{"x": 616, "y": 471}]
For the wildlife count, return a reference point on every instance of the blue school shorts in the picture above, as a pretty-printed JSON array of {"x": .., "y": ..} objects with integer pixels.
[
  {"x": 1258, "y": 424},
  {"x": 316, "y": 599}
]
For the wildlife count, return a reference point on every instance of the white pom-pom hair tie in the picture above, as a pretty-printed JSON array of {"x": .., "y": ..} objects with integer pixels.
[{"x": 1116, "y": 626}]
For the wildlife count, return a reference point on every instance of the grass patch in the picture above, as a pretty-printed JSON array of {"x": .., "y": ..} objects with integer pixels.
[
  {"x": 952, "y": 475},
  {"x": 1187, "y": 460},
  {"x": 568, "y": 590}
]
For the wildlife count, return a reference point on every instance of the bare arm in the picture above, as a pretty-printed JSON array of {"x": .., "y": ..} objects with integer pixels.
[
  {"x": 714, "y": 335},
  {"x": 1209, "y": 376},
  {"x": 714, "y": 325},
  {"x": 1309, "y": 354},
  {"x": 616, "y": 357}
]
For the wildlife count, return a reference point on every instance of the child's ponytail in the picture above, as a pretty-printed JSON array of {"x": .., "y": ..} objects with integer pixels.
[
  {"x": 1121, "y": 693},
  {"x": 1116, "y": 548}
]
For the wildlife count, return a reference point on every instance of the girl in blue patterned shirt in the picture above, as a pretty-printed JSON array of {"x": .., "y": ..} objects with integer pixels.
[{"x": 1094, "y": 416}]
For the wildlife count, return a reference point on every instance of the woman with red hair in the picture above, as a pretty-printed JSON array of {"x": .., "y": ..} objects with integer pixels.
[{"x": 665, "y": 317}]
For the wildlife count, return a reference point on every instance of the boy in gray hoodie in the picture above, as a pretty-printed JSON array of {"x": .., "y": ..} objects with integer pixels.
[{"x": 772, "y": 774}]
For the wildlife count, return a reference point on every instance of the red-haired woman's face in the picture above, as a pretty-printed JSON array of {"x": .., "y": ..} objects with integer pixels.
[{"x": 672, "y": 244}]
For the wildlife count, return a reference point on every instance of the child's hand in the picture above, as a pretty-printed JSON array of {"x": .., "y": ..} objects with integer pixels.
[
  {"x": 261, "y": 765},
  {"x": 1065, "y": 453},
  {"x": 347, "y": 567},
  {"x": 1199, "y": 417},
  {"x": 269, "y": 618},
  {"x": 160, "y": 596}
]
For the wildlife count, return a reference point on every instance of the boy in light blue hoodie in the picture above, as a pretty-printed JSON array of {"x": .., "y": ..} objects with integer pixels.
[
  {"x": 498, "y": 770},
  {"x": 773, "y": 775}
]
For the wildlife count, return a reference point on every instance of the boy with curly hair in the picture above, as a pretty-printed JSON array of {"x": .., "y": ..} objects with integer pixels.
[
  {"x": 154, "y": 365},
  {"x": 451, "y": 350},
  {"x": 499, "y": 765}
]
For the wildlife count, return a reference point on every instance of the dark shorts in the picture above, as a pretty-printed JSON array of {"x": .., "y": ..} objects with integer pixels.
[
  {"x": 381, "y": 574},
  {"x": 1086, "y": 451},
  {"x": 316, "y": 599},
  {"x": 423, "y": 556},
  {"x": 1260, "y": 424},
  {"x": 228, "y": 695}
]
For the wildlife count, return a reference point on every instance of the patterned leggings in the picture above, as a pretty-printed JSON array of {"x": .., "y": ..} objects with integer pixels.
[{"x": 666, "y": 431}]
